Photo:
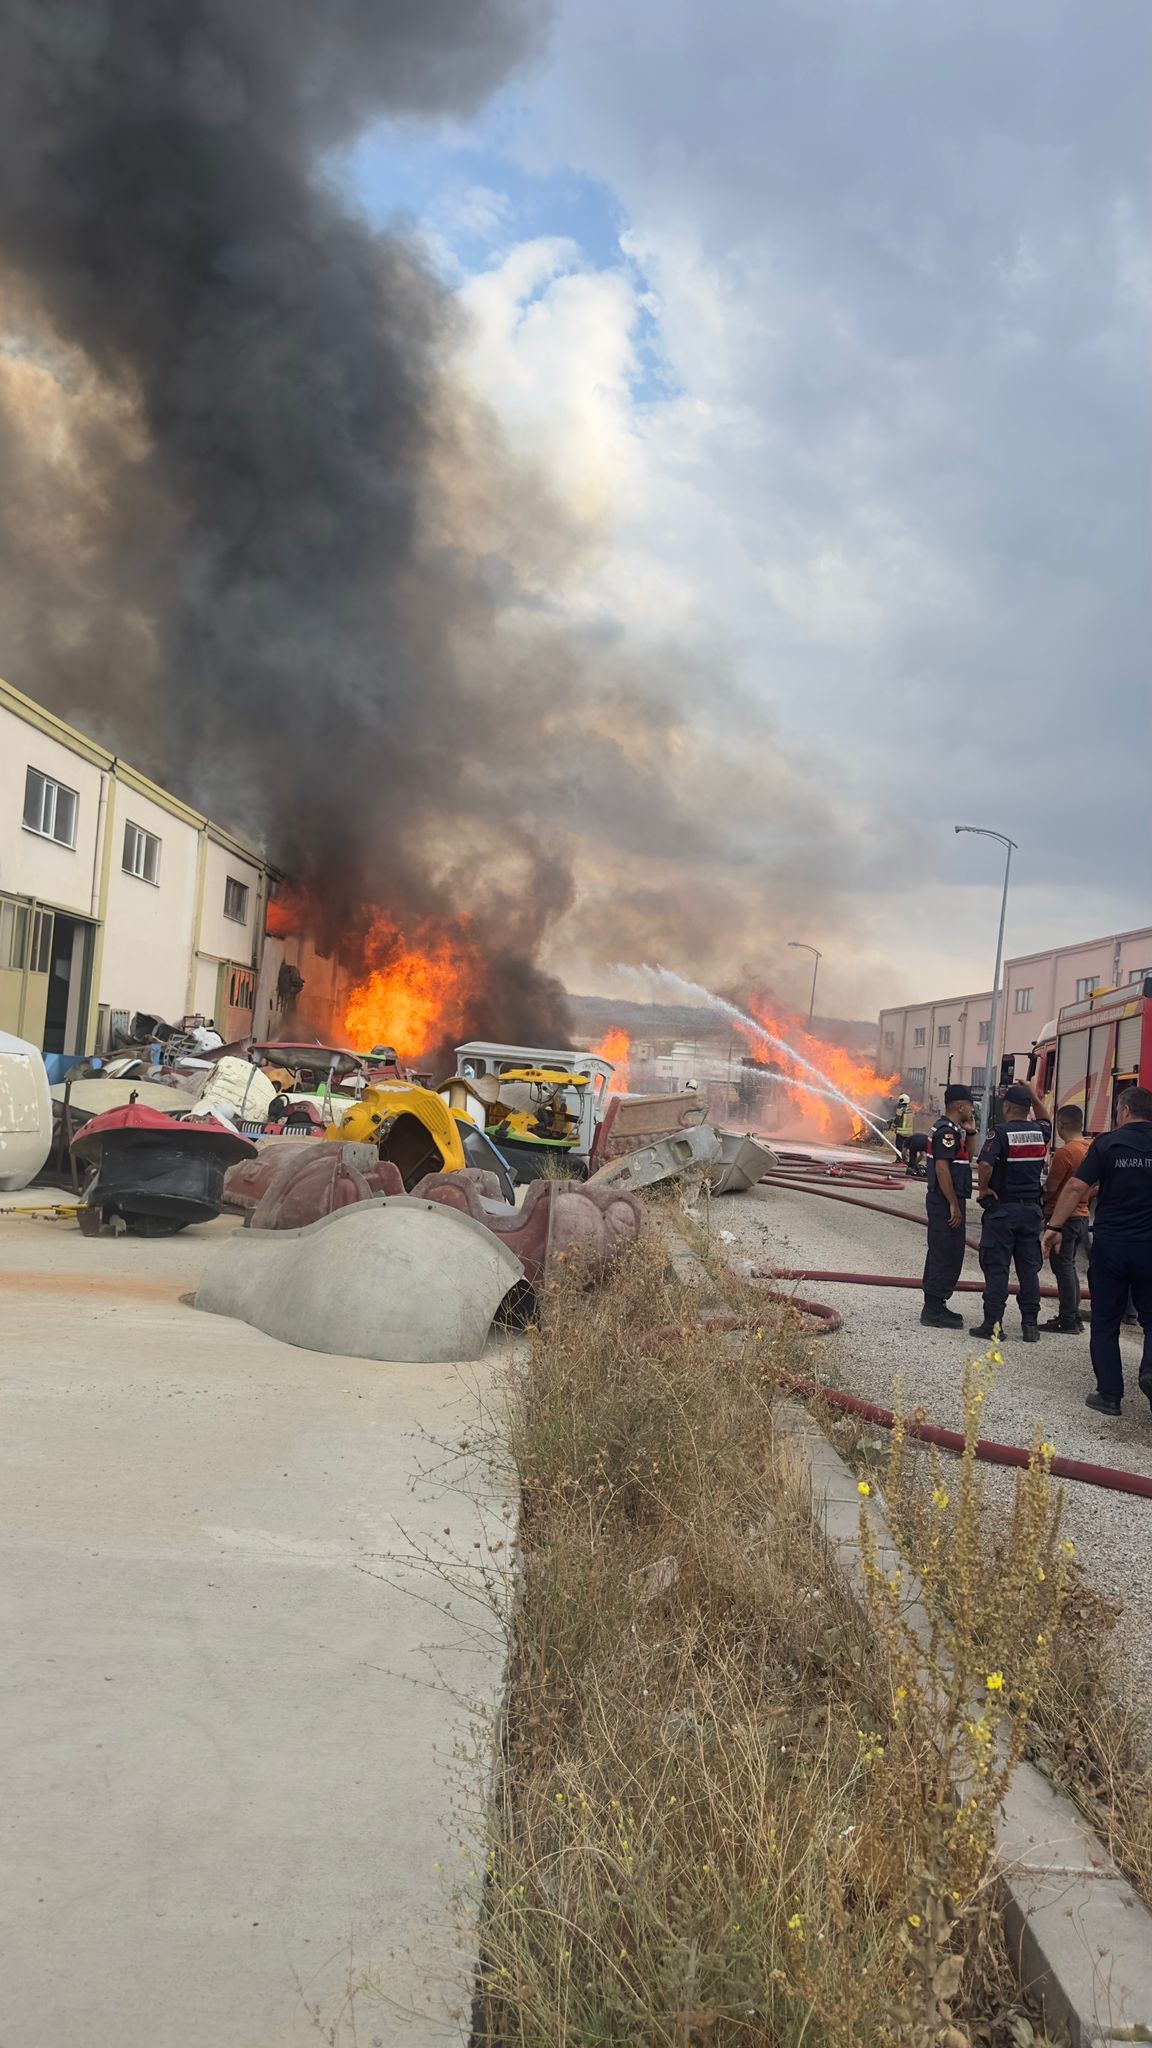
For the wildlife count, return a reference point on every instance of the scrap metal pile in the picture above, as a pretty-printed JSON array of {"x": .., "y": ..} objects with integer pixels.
[{"x": 383, "y": 1218}]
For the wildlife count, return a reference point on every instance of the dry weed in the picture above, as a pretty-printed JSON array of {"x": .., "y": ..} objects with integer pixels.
[{"x": 727, "y": 1813}]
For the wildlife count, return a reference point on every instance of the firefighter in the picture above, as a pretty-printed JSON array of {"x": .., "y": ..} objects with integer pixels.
[
  {"x": 900, "y": 1125},
  {"x": 1011, "y": 1176},
  {"x": 949, "y": 1186}
]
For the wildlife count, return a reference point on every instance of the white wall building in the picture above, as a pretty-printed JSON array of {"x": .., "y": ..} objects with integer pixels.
[
  {"x": 115, "y": 896},
  {"x": 920, "y": 1039}
]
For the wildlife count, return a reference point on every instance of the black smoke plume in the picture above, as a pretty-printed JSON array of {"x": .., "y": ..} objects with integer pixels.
[
  {"x": 258, "y": 534},
  {"x": 261, "y": 610}
]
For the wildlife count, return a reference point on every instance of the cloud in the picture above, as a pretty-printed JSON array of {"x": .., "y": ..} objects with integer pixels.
[{"x": 896, "y": 461}]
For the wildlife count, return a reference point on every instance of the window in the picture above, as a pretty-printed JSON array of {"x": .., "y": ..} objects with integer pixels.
[
  {"x": 40, "y": 954},
  {"x": 236, "y": 900},
  {"x": 1139, "y": 973},
  {"x": 944, "y": 1034},
  {"x": 1085, "y": 986},
  {"x": 982, "y": 1036},
  {"x": 49, "y": 808},
  {"x": 979, "y": 1077},
  {"x": 141, "y": 854},
  {"x": 13, "y": 934},
  {"x": 241, "y": 989},
  {"x": 1023, "y": 1001},
  {"x": 918, "y": 1034},
  {"x": 889, "y": 1040},
  {"x": 915, "y": 1077}
]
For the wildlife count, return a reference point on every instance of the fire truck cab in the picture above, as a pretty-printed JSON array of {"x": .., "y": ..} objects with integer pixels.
[{"x": 1093, "y": 1050}]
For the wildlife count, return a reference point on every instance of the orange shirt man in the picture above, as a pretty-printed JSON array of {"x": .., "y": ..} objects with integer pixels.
[{"x": 1065, "y": 1162}]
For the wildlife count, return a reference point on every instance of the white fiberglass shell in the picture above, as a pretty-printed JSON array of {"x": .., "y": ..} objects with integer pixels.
[{"x": 25, "y": 1112}]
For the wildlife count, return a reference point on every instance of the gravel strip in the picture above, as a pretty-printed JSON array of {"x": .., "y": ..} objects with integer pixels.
[{"x": 1044, "y": 1384}]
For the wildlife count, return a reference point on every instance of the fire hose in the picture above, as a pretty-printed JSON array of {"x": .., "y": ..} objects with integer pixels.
[
  {"x": 987, "y": 1450},
  {"x": 807, "y": 1187}
]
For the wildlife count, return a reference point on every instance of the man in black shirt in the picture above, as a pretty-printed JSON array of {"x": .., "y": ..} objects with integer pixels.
[
  {"x": 1011, "y": 1175},
  {"x": 1118, "y": 1166},
  {"x": 949, "y": 1186}
]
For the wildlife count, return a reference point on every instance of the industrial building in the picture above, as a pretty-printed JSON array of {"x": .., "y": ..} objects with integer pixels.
[
  {"x": 931, "y": 1044},
  {"x": 115, "y": 896}
]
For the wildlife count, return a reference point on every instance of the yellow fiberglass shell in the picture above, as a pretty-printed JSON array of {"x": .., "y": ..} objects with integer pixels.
[{"x": 379, "y": 1107}]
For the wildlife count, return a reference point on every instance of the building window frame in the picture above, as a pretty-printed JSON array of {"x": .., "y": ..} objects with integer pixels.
[
  {"x": 918, "y": 1031},
  {"x": 943, "y": 1035},
  {"x": 978, "y": 1077},
  {"x": 1023, "y": 1001},
  {"x": 141, "y": 854},
  {"x": 13, "y": 934},
  {"x": 889, "y": 1041},
  {"x": 44, "y": 810},
  {"x": 984, "y": 1031},
  {"x": 1139, "y": 974},
  {"x": 916, "y": 1076},
  {"x": 237, "y": 895},
  {"x": 1086, "y": 985}
]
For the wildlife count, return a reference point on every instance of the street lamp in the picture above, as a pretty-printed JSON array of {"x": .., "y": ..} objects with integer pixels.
[
  {"x": 804, "y": 947},
  {"x": 982, "y": 832}
]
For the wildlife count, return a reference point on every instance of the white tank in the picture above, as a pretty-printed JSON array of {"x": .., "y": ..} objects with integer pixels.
[{"x": 25, "y": 1113}]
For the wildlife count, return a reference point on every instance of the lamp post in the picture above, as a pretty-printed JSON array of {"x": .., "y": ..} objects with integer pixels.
[
  {"x": 803, "y": 947},
  {"x": 1010, "y": 846}
]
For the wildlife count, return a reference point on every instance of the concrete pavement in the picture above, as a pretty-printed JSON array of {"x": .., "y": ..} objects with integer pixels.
[{"x": 231, "y": 1691}]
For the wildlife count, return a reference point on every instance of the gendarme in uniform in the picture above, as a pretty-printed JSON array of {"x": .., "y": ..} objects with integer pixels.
[
  {"x": 1016, "y": 1151},
  {"x": 946, "y": 1238}
]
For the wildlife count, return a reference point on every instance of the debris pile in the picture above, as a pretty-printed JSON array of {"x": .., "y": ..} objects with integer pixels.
[{"x": 520, "y": 1162}]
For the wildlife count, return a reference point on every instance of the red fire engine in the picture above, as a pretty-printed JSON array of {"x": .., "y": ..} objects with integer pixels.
[{"x": 1093, "y": 1050}]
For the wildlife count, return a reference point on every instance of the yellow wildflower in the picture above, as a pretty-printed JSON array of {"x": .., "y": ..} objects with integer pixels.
[
  {"x": 1041, "y": 1575},
  {"x": 939, "y": 1499},
  {"x": 995, "y": 1681},
  {"x": 1047, "y": 1450},
  {"x": 796, "y": 1925},
  {"x": 1067, "y": 1549},
  {"x": 864, "y": 1489},
  {"x": 913, "y": 1919}
]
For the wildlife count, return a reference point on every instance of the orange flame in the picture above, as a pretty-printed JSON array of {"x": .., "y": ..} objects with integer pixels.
[
  {"x": 848, "y": 1071},
  {"x": 288, "y": 913},
  {"x": 417, "y": 993},
  {"x": 617, "y": 1047}
]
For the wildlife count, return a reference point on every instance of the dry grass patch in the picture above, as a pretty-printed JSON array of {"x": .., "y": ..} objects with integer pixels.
[{"x": 726, "y": 1812}]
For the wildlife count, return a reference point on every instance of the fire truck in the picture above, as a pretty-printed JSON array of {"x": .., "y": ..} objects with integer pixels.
[{"x": 1093, "y": 1050}]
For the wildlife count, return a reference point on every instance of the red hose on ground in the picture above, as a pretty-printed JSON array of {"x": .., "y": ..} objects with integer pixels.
[
  {"x": 780, "y": 1180},
  {"x": 885, "y": 1280},
  {"x": 988, "y": 1452}
]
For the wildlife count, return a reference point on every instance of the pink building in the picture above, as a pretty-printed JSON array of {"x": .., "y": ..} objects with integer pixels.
[{"x": 930, "y": 1044}]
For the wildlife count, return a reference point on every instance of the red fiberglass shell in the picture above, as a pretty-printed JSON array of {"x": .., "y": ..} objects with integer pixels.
[{"x": 150, "y": 1125}]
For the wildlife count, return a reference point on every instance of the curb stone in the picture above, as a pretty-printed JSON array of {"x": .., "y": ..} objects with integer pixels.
[{"x": 1079, "y": 1937}]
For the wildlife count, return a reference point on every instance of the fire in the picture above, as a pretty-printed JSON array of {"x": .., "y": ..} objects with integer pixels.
[
  {"x": 416, "y": 994},
  {"x": 848, "y": 1071},
  {"x": 287, "y": 914},
  {"x": 617, "y": 1047}
]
